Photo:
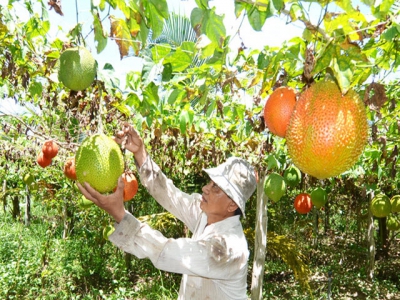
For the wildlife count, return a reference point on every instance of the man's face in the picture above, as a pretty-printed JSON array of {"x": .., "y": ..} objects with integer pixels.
[{"x": 216, "y": 203}]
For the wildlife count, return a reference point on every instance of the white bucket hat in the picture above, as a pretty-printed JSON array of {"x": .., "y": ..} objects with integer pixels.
[{"x": 236, "y": 177}]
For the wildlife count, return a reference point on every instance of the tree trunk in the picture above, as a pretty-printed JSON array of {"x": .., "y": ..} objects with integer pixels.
[
  {"x": 383, "y": 249},
  {"x": 16, "y": 212},
  {"x": 316, "y": 219},
  {"x": 371, "y": 240},
  {"x": 5, "y": 196},
  {"x": 327, "y": 215},
  {"x": 27, "y": 207},
  {"x": 260, "y": 242},
  {"x": 68, "y": 221}
]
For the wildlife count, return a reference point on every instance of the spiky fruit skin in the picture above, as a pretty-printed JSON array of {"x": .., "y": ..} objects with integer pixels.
[
  {"x": 278, "y": 109},
  {"x": 292, "y": 176},
  {"x": 69, "y": 168},
  {"x": 50, "y": 149},
  {"x": 302, "y": 203},
  {"x": 395, "y": 202},
  {"x": 274, "y": 187},
  {"x": 43, "y": 161},
  {"x": 318, "y": 197},
  {"x": 327, "y": 131},
  {"x": 99, "y": 162},
  {"x": 380, "y": 206},
  {"x": 77, "y": 68}
]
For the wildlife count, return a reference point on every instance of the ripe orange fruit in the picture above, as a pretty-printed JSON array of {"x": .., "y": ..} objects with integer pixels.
[
  {"x": 131, "y": 186},
  {"x": 278, "y": 109},
  {"x": 327, "y": 131},
  {"x": 69, "y": 168},
  {"x": 43, "y": 161},
  {"x": 50, "y": 149},
  {"x": 302, "y": 203}
]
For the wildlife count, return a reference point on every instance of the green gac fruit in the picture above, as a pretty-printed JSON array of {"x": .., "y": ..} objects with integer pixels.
[
  {"x": 318, "y": 197},
  {"x": 28, "y": 179},
  {"x": 292, "y": 176},
  {"x": 395, "y": 202},
  {"x": 107, "y": 231},
  {"x": 99, "y": 162},
  {"x": 274, "y": 186},
  {"x": 77, "y": 68},
  {"x": 393, "y": 222},
  {"x": 84, "y": 203},
  {"x": 380, "y": 206}
]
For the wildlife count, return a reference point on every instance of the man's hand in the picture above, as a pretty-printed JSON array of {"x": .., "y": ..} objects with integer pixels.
[
  {"x": 130, "y": 139},
  {"x": 113, "y": 204}
]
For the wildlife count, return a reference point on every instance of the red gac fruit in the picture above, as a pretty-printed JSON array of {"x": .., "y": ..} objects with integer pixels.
[
  {"x": 50, "y": 149},
  {"x": 43, "y": 161},
  {"x": 131, "y": 186},
  {"x": 69, "y": 168},
  {"x": 302, "y": 203}
]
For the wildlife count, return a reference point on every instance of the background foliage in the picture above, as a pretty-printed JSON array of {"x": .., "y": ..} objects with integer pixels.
[{"x": 195, "y": 101}]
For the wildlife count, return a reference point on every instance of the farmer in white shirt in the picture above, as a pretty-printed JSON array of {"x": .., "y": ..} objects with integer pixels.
[{"x": 214, "y": 260}]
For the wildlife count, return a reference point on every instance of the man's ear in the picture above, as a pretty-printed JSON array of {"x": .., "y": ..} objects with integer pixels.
[{"x": 232, "y": 206}]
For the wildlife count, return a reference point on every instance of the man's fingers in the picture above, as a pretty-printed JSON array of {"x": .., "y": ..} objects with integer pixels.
[
  {"x": 120, "y": 186},
  {"x": 86, "y": 193}
]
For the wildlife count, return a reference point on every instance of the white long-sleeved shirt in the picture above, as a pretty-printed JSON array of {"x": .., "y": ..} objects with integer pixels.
[{"x": 213, "y": 262}]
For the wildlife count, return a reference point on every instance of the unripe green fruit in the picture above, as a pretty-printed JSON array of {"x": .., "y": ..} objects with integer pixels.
[
  {"x": 318, "y": 197},
  {"x": 99, "y": 162},
  {"x": 292, "y": 176},
  {"x": 380, "y": 206},
  {"x": 77, "y": 68},
  {"x": 274, "y": 186},
  {"x": 395, "y": 202},
  {"x": 393, "y": 222}
]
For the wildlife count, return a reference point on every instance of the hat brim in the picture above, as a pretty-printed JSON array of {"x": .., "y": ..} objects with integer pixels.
[{"x": 225, "y": 185}]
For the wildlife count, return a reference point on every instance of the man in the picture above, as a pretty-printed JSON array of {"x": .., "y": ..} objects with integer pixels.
[{"x": 214, "y": 260}]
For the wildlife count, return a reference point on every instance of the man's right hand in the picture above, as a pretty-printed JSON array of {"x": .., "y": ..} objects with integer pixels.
[{"x": 131, "y": 140}]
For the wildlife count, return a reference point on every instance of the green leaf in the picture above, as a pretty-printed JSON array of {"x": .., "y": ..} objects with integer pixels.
[
  {"x": 272, "y": 162},
  {"x": 150, "y": 95},
  {"x": 35, "y": 89},
  {"x": 202, "y": 4},
  {"x": 381, "y": 11},
  {"x": 100, "y": 36},
  {"x": 391, "y": 33},
  {"x": 161, "y": 7},
  {"x": 160, "y": 51},
  {"x": 36, "y": 27},
  {"x": 180, "y": 59},
  {"x": 215, "y": 28},
  {"x": 256, "y": 17},
  {"x": 167, "y": 72},
  {"x": 343, "y": 72},
  {"x": 183, "y": 121},
  {"x": 176, "y": 96},
  {"x": 278, "y": 4},
  {"x": 296, "y": 12},
  {"x": 324, "y": 60}
]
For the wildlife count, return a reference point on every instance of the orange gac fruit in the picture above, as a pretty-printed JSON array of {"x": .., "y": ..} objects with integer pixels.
[
  {"x": 278, "y": 110},
  {"x": 69, "y": 168},
  {"x": 43, "y": 161},
  {"x": 50, "y": 149},
  {"x": 327, "y": 131},
  {"x": 131, "y": 186},
  {"x": 302, "y": 203}
]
